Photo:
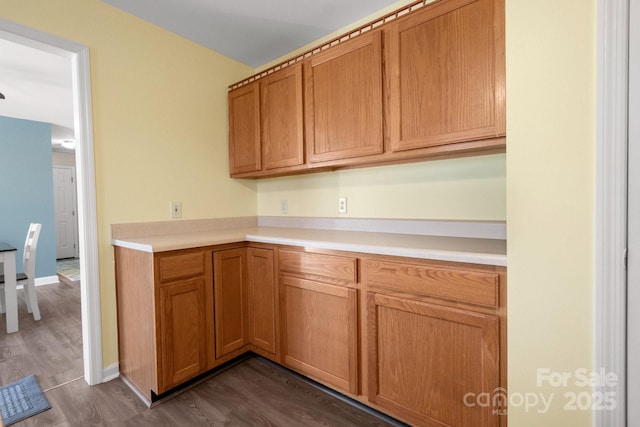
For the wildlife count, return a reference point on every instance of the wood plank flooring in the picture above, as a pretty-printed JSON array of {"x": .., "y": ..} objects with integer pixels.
[{"x": 252, "y": 393}]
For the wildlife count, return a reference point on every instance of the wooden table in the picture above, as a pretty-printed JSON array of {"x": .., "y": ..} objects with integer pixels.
[{"x": 8, "y": 259}]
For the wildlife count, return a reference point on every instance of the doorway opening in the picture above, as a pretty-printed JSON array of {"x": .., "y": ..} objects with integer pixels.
[
  {"x": 78, "y": 55},
  {"x": 65, "y": 219}
]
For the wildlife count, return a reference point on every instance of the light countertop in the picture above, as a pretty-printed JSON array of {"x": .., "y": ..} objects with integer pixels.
[{"x": 457, "y": 249}]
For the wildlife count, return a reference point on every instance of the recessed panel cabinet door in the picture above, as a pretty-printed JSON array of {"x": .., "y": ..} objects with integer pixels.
[
  {"x": 281, "y": 118},
  {"x": 230, "y": 300},
  {"x": 263, "y": 298},
  {"x": 244, "y": 129},
  {"x": 183, "y": 331},
  {"x": 445, "y": 74},
  {"x": 343, "y": 100},
  {"x": 425, "y": 361},
  {"x": 321, "y": 331}
]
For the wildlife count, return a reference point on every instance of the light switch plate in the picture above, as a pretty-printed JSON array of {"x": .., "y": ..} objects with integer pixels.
[{"x": 176, "y": 210}]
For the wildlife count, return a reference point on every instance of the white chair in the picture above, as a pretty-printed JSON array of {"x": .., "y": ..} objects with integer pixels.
[{"x": 27, "y": 279}]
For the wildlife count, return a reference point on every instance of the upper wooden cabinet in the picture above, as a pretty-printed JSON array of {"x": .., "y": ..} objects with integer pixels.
[
  {"x": 266, "y": 124},
  {"x": 423, "y": 82},
  {"x": 281, "y": 116},
  {"x": 244, "y": 129},
  {"x": 445, "y": 74},
  {"x": 343, "y": 100}
]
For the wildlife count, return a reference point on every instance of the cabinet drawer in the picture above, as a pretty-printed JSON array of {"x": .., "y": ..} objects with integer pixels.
[
  {"x": 330, "y": 266},
  {"x": 181, "y": 265},
  {"x": 474, "y": 287}
]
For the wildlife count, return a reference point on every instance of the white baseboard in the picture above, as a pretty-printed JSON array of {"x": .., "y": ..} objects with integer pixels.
[
  {"x": 110, "y": 372},
  {"x": 47, "y": 280}
]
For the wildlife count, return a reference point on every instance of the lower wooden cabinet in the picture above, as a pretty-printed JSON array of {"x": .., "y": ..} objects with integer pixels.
[
  {"x": 425, "y": 358},
  {"x": 165, "y": 318},
  {"x": 245, "y": 293},
  {"x": 263, "y": 302},
  {"x": 416, "y": 339},
  {"x": 230, "y": 293},
  {"x": 321, "y": 331},
  {"x": 183, "y": 331}
]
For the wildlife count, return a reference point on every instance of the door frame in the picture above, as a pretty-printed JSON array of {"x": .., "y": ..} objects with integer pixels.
[
  {"x": 76, "y": 249},
  {"x": 610, "y": 297},
  {"x": 633, "y": 262},
  {"x": 78, "y": 55}
]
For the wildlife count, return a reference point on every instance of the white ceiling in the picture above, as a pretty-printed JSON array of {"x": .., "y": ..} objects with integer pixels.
[
  {"x": 251, "y": 31},
  {"x": 37, "y": 84}
]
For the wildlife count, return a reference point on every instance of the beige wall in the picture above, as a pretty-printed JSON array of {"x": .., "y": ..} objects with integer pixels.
[
  {"x": 551, "y": 54},
  {"x": 543, "y": 187},
  {"x": 160, "y": 124},
  {"x": 470, "y": 188}
]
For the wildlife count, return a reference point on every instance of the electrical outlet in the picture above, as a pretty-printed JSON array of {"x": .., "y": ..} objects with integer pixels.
[
  {"x": 284, "y": 206},
  {"x": 176, "y": 210},
  {"x": 342, "y": 205}
]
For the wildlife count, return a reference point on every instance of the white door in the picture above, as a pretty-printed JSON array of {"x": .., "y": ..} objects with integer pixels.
[
  {"x": 633, "y": 244},
  {"x": 64, "y": 195}
]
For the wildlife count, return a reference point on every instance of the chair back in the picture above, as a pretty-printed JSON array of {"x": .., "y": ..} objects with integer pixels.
[{"x": 30, "y": 246}]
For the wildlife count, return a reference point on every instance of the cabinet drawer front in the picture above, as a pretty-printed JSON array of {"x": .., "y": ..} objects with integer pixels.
[
  {"x": 461, "y": 285},
  {"x": 182, "y": 265},
  {"x": 330, "y": 266}
]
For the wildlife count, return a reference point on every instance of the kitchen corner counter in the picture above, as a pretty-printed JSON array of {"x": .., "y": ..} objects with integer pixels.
[{"x": 444, "y": 248}]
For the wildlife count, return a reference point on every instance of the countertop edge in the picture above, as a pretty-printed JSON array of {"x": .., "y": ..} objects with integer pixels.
[
  {"x": 132, "y": 245},
  {"x": 240, "y": 235},
  {"x": 433, "y": 254}
]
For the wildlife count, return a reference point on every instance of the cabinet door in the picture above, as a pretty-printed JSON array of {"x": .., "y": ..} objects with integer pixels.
[
  {"x": 281, "y": 118},
  {"x": 423, "y": 360},
  {"x": 230, "y": 296},
  {"x": 321, "y": 331},
  {"x": 183, "y": 331},
  {"x": 445, "y": 74},
  {"x": 262, "y": 300},
  {"x": 343, "y": 100},
  {"x": 244, "y": 129}
]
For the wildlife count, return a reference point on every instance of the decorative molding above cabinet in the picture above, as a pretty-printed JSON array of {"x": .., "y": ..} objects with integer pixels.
[{"x": 426, "y": 81}]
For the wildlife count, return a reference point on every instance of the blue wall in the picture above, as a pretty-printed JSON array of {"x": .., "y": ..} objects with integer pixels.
[{"x": 26, "y": 189}]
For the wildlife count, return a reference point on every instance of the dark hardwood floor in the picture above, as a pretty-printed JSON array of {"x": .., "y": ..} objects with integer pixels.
[{"x": 251, "y": 393}]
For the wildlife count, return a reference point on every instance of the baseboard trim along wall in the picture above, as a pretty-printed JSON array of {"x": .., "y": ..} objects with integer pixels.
[
  {"x": 110, "y": 372},
  {"x": 47, "y": 280}
]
